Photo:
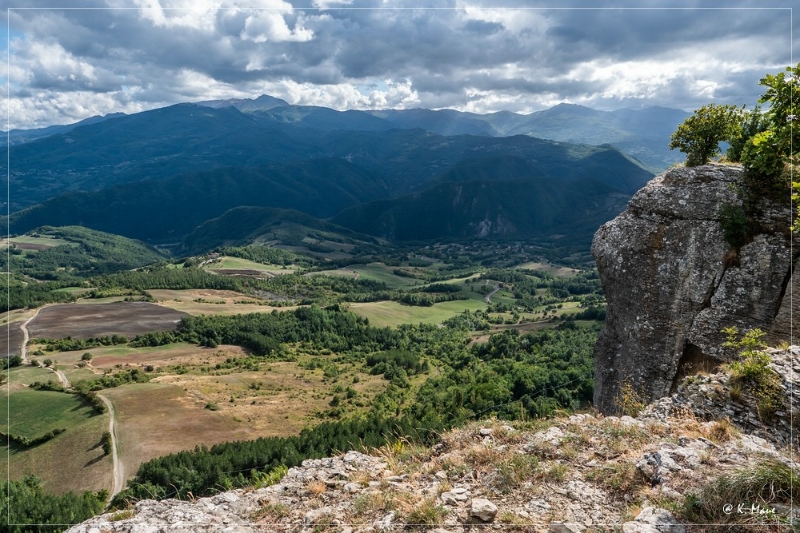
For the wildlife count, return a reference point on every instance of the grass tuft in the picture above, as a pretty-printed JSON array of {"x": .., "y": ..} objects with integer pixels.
[
  {"x": 763, "y": 485},
  {"x": 426, "y": 513}
]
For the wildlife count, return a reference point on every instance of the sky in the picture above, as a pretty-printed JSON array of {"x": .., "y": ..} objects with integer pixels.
[{"x": 106, "y": 56}]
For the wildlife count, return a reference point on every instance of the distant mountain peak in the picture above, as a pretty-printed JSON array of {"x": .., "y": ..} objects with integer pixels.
[{"x": 260, "y": 103}]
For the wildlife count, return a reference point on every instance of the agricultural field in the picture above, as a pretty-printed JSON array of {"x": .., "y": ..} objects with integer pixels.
[
  {"x": 382, "y": 273},
  {"x": 210, "y": 302},
  {"x": 549, "y": 268},
  {"x": 190, "y": 401},
  {"x": 27, "y": 374},
  {"x": 35, "y": 244},
  {"x": 373, "y": 272},
  {"x": 33, "y": 413},
  {"x": 392, "y": 314},
  {"x": 11, "y": 337},
  {"x": 105, "y": 319},
  {"x": 73, "y": 460},
  {"x": 195, "y": 396},
  {"x": 226, "y": 265},
  {"x": 156, "y": 419}
]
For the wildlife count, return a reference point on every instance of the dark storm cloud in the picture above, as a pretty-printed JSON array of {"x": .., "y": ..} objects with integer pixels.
[{"x": 472, "y": 56}]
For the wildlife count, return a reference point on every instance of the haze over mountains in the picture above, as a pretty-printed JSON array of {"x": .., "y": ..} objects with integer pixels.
[{"x": 398, "y": 174}]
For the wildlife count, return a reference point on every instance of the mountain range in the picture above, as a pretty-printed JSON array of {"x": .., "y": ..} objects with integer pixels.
[{"x": 398, "y": 174}]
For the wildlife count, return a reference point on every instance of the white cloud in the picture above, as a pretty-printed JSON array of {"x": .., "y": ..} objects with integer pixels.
[
  {"x": 269, "y": 26},
  {"x": 472, "y": 58},
  {"x": 44, "y": 108}
]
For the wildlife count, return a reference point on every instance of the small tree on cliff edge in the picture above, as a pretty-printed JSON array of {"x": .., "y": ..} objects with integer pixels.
[
  {"x": 699, "y": 135},
  {"x": 769, "y": 155},
  {"x": 768, "y": 143}
]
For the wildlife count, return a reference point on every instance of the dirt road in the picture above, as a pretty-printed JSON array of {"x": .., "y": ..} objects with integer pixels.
[
  {"x": 119, "y": 474},
  {"x": 26, "y": 337},
  {"x": 62, "y": 378},
  {"x": 489, "y": 296}
]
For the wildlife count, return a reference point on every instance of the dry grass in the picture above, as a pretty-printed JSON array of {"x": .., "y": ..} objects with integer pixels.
[
  {"x": 554, "y": 472},
  {"x": 270, "y": 512},
  {"x": 482, "y": 457},
  {"x": 764, "y": 484},
  {"x": 721, "y": 431},
  {"x": 736, "y": 393},
  {"x": 629, "y": 400},
  {"x": 621, "y": 479},
  {"x": 690, "y": 425},
  {"x": 316, "y": 487},
  {"x": 174, "y": 422},
  {"x": 372, "y": 502},
  {"x": 511, "y": 472},
  {"x": 362, "y": 477},
  {"x": 121, "y": 515},
  {"x": 425, "y": 513}
]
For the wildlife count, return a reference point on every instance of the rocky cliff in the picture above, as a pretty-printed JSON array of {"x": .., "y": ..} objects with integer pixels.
[{"x": 673, "y": 282}]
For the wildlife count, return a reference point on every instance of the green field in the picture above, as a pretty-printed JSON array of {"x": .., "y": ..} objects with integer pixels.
[
  {"x": 73, "y": 290},
  {"x": 383, "y": 314},
  {"x": 548, "y": 268},
  {"x": 42, "y": 241},
  {"x": 120, "y": 350},
  {"x": 372, "y": 272},
  {"x": 380, "y": 272},
  {"x": 33, "y": 413},
  {"x": 27, "y": 374},
  {"x": 73, "y": 461},
  {"x": 246, "y": 264}
]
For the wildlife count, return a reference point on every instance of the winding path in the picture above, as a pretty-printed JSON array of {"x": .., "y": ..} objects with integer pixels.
[
  {"x": 23, "y": 351},
  {"x": 489, "y": 296},
  {"x": 62, "y": 378},
  {"x": 119, "y": 474}
]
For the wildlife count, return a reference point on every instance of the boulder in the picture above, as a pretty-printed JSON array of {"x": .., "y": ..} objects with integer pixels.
[
  {"x": 654, "y": 520},
  {"x": 483, "y": 510}
]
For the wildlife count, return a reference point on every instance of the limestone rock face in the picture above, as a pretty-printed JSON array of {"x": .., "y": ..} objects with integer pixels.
[{"x": 672, "y": 281}]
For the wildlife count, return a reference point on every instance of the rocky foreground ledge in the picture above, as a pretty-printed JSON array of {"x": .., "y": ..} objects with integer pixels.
[{"x": 570, "y": 474}]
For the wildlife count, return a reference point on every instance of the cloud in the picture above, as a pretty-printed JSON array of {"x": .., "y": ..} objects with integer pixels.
[
  {"x": 134, "y": 54},
  {"x": 269, "y": 26}
]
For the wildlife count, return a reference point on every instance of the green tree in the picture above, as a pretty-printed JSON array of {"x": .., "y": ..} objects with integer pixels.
[
  {"x": 753, "y": 123},
  {"x": 105, "y": 440},
  {"x": 767, "y": 153},
  {"x": 699, "y": 135}
]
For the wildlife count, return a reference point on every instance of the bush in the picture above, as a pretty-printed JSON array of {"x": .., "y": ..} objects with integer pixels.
[
  {"x": 629, "y": 401},
  {"x": 105, "y": 440},
  {"x": 763, "y": 164},
  {"x": 751, "y": 370},
  {"x": 735, "y": 226},
  {"x": 10, "y": 362}
]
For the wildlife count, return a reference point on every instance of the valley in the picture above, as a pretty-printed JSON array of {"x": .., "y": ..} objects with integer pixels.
[
  {"x": 293, "y": 281},
  {"x": 346, "y": 266},
  {"x": 189, "y": 391}
]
